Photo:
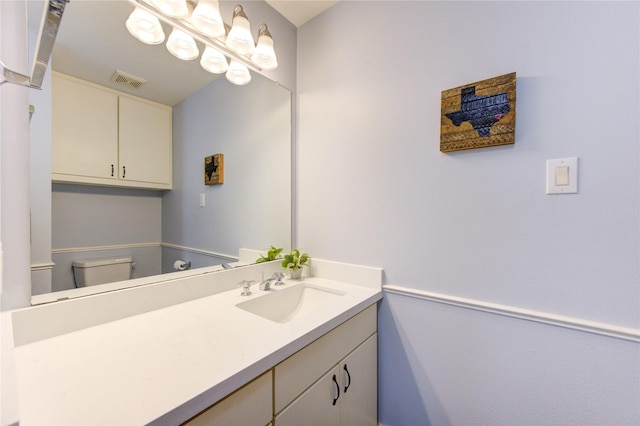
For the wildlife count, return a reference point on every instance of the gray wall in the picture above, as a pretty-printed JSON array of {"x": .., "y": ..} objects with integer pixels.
[
  {"x": 477, "y": 224},
  {"x": 251, "y": 126},
  {"x": 93, "y": 222}
]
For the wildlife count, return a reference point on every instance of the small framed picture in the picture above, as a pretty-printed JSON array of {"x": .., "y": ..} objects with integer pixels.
[
  {"x": 479, "y": 115},
  {"x": 214, "y": 169}
]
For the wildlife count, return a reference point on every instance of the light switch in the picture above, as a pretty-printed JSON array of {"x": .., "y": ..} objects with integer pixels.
[
  {"x": 562, "y": 176},
  {"x": 202, "y": 200}
]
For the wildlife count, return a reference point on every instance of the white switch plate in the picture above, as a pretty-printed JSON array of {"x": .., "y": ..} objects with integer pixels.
[
  {"x": 202, "y": 200},
  {"x": 552, "y": 165}
]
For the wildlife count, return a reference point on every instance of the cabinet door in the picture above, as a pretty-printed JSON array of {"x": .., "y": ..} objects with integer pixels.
[
  {"x": 315, "y": 407},
  {"x": 84, "y": 130},
  {"x": 359, "y": 385},
  {"x": 145, "y": 142}
]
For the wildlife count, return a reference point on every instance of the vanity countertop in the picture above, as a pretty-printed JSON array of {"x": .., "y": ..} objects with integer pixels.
[{"x": 166, "y": 365}]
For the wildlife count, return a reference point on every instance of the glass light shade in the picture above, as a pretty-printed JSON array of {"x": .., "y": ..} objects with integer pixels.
[
  {"x": 239, "y": 39},
  {"x": 214, "y": 61},
  {"x": 145, "y": 27},
  {"x": 238, "y": 73},
  {"x": 206, "y": 18},
  {"x": 264, "y": 56},
  {"x": 175, "y": 8},
  {"x": 182, "y": 45}
]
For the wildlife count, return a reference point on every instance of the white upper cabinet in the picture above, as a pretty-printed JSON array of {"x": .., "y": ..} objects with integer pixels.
[
  {"x": 84, "y": 130},
  {"x": 103, "y": 137},
  {"x": 145, "y": 142}
]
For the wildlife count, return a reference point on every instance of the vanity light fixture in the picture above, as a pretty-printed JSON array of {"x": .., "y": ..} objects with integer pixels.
[
  {"x": 174, "y": 8},
  {"x": 214, "y": 61},
  {"x": 264, "y": 56},
  {"x": 145, "y": 27},
  {"x": 206, "y": 18},
  {"x": 233, "y": 54},
  {"x": 182, "y": 45},
  {"x": 239, "y": 39},
  {"x": 238, "y": 73}
]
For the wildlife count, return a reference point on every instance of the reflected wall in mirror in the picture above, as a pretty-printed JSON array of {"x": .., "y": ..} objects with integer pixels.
[{"x": 250, "y": 125}]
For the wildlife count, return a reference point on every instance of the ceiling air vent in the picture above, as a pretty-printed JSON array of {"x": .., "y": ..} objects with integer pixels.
[{"x": 124, "y": 79}]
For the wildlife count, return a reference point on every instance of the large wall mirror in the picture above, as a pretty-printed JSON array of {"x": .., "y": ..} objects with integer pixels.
[{"x": 204, "y": 224}]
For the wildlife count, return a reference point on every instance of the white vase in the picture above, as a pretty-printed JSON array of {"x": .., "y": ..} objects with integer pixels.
[{"x": 295, "y": 274}]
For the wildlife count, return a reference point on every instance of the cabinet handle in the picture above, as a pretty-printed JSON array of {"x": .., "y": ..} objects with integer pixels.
[
  {"x": 112, "y": 170},
  {"x": 337, "y": 390},
  {"x": 348, "y": 378},
  {"x": 124, "y": 171}
]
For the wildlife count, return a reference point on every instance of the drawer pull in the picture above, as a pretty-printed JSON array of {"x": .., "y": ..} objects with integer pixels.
[
  {"x": 112, "y": 170},
  {"x": 337, "y": 390},
  {"x": 348, "y": 378},
  {"x": 124, "y": 172}
]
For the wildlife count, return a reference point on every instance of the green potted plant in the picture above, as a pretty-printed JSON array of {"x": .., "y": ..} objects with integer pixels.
[
  {"x": 294, "y": 261},
  {"x": 272, "y": 254}
]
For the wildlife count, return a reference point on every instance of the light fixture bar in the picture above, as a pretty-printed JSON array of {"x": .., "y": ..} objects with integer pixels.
[{"x": 188, "y": 29}]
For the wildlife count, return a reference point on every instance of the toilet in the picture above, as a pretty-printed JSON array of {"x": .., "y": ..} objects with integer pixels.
[{"x": 88, "y": 272}]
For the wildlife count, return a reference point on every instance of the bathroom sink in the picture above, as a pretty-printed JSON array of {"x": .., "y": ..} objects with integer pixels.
[{"x": 289, "y": 303}]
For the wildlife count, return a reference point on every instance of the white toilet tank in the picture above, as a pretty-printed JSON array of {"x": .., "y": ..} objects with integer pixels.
[{"x": 87, "y": 272}]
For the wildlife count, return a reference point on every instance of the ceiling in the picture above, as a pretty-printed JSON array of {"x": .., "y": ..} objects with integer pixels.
[
  {"x": 92, "y": 43},
  {"x": 300, "y": 11}
]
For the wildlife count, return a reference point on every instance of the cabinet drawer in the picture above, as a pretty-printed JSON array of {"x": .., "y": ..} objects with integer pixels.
[
  {"x": 302, "y": 369},
  {"x": 250, "y": 405}
]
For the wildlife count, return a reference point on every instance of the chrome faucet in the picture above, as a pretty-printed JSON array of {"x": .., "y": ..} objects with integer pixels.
[{"x": 265, "y": 285}]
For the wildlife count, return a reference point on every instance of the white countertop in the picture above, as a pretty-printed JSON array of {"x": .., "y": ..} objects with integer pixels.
[{"x": 166, "y": 365}]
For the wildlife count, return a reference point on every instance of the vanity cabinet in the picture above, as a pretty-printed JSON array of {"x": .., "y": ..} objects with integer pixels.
[
  {"x": 104, "y": 137},
  {"x": 333, "y": 380}
]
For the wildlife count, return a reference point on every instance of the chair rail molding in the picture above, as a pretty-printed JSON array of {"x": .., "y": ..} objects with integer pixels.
[
  {"x": 593, "y": 327},
  {"x": 107, "y": 247}
]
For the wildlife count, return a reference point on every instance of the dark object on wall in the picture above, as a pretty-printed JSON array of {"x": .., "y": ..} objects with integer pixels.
[
  {"x": 478, "y": 115},
  {"x": 214, "y": 169}
]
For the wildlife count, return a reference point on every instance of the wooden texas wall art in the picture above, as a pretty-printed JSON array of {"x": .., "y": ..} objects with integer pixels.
[
  {"x": 478, "y": 115},
  {"x": 214, "y": 169}
]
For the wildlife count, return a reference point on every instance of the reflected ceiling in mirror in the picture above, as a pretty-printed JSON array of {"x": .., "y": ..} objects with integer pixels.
[{"x": 93, "y": 43}]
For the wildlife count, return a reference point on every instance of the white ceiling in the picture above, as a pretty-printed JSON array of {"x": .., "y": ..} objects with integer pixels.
[
  {"x": 300, "y": 11},
  {"x": 82, "y": 49}
]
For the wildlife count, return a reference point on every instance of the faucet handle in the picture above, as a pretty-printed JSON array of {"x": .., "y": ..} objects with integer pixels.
[
  {"x": 246, "y": 287},
  {"x": 278, "y": 276}
]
